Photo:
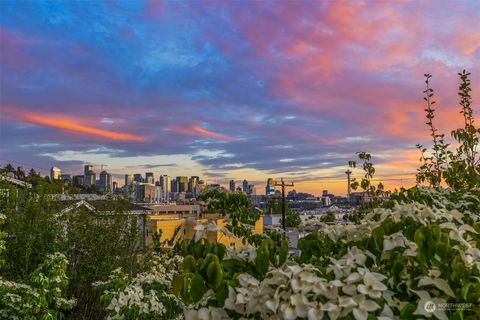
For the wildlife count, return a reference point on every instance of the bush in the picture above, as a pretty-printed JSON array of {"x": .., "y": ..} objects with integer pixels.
[{"x": 41, "y": 296}]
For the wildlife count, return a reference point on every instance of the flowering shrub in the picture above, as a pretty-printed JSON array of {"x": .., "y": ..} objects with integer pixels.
[
  {"x": 2, "y": 242},
  {"x": 42, "y": 296},
  {"x": 389, "y": 266},
  {"x": 301, "y": 291},
  {"x": 145, "y": 296},
  {"x": 467, "y": 202},
  {"x": 427, "y": 254}
]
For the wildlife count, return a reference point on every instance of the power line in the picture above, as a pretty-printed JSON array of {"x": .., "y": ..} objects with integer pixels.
[
  {"x": 24, "y": 163},
  {"x": 343, "y": 180}
]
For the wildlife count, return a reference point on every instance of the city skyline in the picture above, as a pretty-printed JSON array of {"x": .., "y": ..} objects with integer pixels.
[
  {"x": 213, "y": 90},
  {"x": 241, "y": 184}
]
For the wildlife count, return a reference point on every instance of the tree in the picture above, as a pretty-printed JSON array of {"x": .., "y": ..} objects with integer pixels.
[
  {"x": 460, "y": 168},
  {"x": 8, "y": 168},
  {"x": 20, "y": 173},
  {"x": 94, "y": 243},
  {"x": 328, "y": 217},
  {"x": 292, "y": 219},
  {"x": 224, "y": 202}
]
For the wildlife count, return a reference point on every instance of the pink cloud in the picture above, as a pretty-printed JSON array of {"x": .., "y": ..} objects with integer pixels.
[
  {"x": 196, "y": 131},
  {"x": 69, "y": 124}
]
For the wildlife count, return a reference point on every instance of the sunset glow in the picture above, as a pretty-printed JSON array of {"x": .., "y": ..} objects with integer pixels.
[
  {"x": 243, "y": 90},
  {"x": 195, "y": 131}
]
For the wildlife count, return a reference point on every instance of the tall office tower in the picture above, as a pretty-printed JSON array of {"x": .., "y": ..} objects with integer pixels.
[
  {"x": 66, "y": 178},
  {"x": 87, "y": 168},
  {"x": 245, "y": 186},
  {"x": 137, "y": 177},
  {"x": 79, "y": 180},
  {"x": 165, "y": 185},
  {"x": 149, "y": 178},
  {"x": 251, "y": 190},
  {"x": 182, "y": 184},
  {"x": 192, "y": 183},
  {"x": 326, "y": 201},
  {"x": 114, "y": 186},
  {"x": 128, "y": 187},
  {"x": 232, "y": 186},
  {"x": 173, "y": 185},
  {"x": 105, "y": 183},
  {"x": 90, "y": 178},
  {"x": 325, "y": 193},
  {"x": 270, "y": 188},
  {"x": 55, "y": 173},
  {"x": 128, "y": 179}
]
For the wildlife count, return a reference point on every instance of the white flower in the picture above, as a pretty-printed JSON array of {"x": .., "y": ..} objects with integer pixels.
[
  {"x": 315, "y": 314},
  {"x": 350, "y": 289},
  {"x": 300, "y": 304},
  {"x": 434, "y": 279},
  {"x": 209, "y": 313},
  {"x": 372, "y": 285},
  {"x": 421, "y": 310},
  {"x": 211, "y": 226},
  {"x": 332, "y": 309},
  {"x": 246, "y": 280},
  {"x": 387, "y": 313},
  {"x": 393, "y": 241},
  {"x": 363, "y": 307},
  {"x": 227, "y": 232},
  {"x": 199, "y": 231},
  {"x": 231, "y": 302},
  {"x": 411, "y": 250},
  {"x": 470, "y": 257}
]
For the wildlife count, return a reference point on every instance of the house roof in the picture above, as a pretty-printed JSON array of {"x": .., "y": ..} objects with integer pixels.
[
  {"x": 15, "y": 181},
  {"x": 104, "y": 206}
]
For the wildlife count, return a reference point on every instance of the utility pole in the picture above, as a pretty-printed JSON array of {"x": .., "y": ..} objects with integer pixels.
[{"x": 283, "y": 184}]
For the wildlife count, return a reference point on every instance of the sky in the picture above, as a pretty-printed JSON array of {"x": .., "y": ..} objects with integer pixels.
[{"x": 229, "y": 89}]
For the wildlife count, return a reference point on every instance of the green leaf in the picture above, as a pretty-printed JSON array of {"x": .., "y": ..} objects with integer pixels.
[
  {"x": 207, "y": 261},
  {"x": 377, "y": 235},
  {"x": 261, "y": 263},
  {"x": 198, "y": 248},
  {"x": 219, "y": 251},
  {"x": 189, "y": 264},
  {"x": 177, "y": 284},
  {"x": 198, "y": 288},
  {"x": 222, "y": 293},
  {"x": 419, "y": 237},
  {"x": 407, "y": 311},
  {"x": 214, "y": 274},
  {"x": 465, "y": 290},
  {"x": 283, "y": 253}
]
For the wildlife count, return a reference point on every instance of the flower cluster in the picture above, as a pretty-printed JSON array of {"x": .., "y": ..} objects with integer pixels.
[
  {"x": 386, "y": 286},
  {"x": 42, "y": 296},
  {"x": 300, "y": 291},
  {"x": 388, "y": 266},
  {"x": 147, "y": 295}
]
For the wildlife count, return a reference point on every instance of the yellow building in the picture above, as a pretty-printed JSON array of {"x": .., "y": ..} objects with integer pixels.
[{"x": 186, "y": 223}]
